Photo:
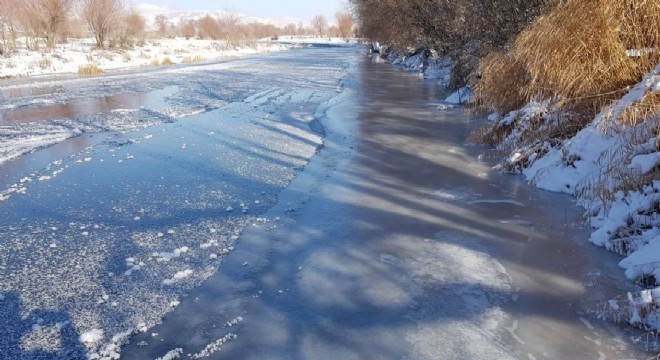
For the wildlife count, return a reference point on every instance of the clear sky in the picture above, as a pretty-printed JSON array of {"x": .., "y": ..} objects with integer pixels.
[{"x": 293, "y": 10}]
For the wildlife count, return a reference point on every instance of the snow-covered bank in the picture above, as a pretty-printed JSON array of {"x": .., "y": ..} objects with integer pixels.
[
  {"x": 312, "y": 40},
  {"x": 70, "y": 58},
  {"x": 428, "y": 63},
  {"x": 432, "y": 66},
  {"x": 611, "y": 166}
]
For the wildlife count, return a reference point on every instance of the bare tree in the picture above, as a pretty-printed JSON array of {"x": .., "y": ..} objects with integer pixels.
[
  {"x": 319, "y": 24},
  {"x": 101, "y": 16},
  {"x": 162, "y": 25},
  {"x": 208, "y": 28},
  {"x": 46, "y": 19},
  {"x": 8, "y": 27},
  {"x": 228, "y": 23},
  {"x": 344, "y": 24},
  {"x": 302, "y": 30},
  {"x": 132, "y": 29},
  {"x": 187, "y": 29},
  {"x": 290, "y": 29}
]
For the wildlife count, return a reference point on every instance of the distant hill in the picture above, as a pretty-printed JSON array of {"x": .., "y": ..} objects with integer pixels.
[{"x": 175, "y": 16}]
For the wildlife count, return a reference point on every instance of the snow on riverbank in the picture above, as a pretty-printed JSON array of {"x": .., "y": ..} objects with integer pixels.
[
  {"x": 612, "y": 167},
  {"x": 69, "y": 58},
  {"x": 432, "y": 66},
  {"x": 428, "y": 63},
  {"x": 313, "y": 40}
]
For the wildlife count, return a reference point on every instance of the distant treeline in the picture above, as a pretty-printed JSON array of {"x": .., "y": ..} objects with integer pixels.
[
  {"x": 465, "y": 29},
  {"x": 112, "y": 23}
]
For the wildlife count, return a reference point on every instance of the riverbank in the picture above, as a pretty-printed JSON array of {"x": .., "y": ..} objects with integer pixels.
[
  {"x": 79, "y": 56},
  {"x": 609, "y": 165}
]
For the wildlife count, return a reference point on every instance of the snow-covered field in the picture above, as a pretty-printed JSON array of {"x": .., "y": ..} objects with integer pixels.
[
  {"x": 143, "y": 183},
  {"x": 69, "y": 58}
]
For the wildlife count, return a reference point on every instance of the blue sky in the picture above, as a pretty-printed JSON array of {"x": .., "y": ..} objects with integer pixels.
[{"x": 294, "y": 10}]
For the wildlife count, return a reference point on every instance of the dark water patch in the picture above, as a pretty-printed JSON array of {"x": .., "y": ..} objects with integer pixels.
[{"x": 85, "y": 107}]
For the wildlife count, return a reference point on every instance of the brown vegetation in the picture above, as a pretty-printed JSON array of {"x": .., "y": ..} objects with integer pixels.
[
  {"x": 208, "y": 28},
  {"x": 8, "y": 26},
  {"x": 89, "y": 70},
  {"x": 582, "y": 55},
  {"x": 344, "y": 24},
  {"x": 192, "y": 60},
  {"x": 187, "y": 29},
  {"x": 131, "y": 29},
  {"x": 503, "y": 81},
  {"x": 447, "y": 25}
]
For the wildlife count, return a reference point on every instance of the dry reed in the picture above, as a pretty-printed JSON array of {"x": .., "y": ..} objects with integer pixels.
[
  {"x": 503, "y": 83},
  {"x": 192, "y": 60},
  {"x": 582, "y": 54},
  {"x": 89, "y": 70}
]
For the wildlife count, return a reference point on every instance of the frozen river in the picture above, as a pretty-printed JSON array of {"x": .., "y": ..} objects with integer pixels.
[{"x": 187, "y": 196}]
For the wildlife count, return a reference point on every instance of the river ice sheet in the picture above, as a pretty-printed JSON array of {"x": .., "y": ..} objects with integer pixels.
[
  {"x": 102, "y": 234},
  {"x": 402, "y": 244}
]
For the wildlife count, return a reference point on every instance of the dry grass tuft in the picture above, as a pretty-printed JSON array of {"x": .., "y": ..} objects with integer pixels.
[
  {"x": 89, "y": 70},
  {"x": 192, "y": 60},
  {"x": 503, "y": 83},
  {"x": 165, "y": 62},
  {"x": 648, "y": 108},
  {"x": 636, "y": 126}
]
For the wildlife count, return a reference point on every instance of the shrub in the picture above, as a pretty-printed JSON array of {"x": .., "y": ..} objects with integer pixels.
[
  {"x": 195, "y": 59},
  {"x": 90, "y": 70},
  {"x": 165, "y": 62}
]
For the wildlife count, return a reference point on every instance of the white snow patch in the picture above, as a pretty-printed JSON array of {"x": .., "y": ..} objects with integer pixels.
[
  {"x": 172, "y": 354},
  {"x": 461, "y": 96},
  {"x": 181, "y": 275},
  {"x": 91, "y": 337},
  {"x": 214, "y": 347}
]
